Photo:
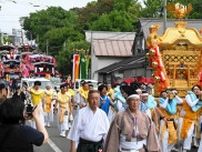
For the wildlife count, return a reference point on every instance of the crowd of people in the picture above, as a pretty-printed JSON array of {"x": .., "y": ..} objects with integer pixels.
[{"x": 123, "y": 118}]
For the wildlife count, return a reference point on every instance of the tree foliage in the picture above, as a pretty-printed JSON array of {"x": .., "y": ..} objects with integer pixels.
[
  {"x": 53, "y": 24},
  {"x": 114, "y": 21},
  {"x": 153, "y": 8}
]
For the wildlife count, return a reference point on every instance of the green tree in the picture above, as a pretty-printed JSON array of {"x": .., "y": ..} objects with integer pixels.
[
  {"x": 56, "y": 38},
  {"x": 119, "y": 15},
  {"x": 77, "y": 45},
  {"x": 7, "y": 40},
  {"x": 87, "y": 14},
  {"x": 64, "y": 61},
  {"x": 152, "y": 9},
  {"x": 53, "y": 24},
  {"x": 114, "y": 21}
]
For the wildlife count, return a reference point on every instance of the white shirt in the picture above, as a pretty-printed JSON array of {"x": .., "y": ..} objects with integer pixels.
[
  {"x": 190, "y": 102},
  {"x": 165, "y": 103},
  {"x": 89, "y": 125}
]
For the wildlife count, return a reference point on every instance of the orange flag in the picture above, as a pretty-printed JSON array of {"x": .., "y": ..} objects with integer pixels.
[{"x": 76, "y": 65}]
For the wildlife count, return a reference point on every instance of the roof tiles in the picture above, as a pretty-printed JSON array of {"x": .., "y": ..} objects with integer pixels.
[{"x": 106, "y": 47}]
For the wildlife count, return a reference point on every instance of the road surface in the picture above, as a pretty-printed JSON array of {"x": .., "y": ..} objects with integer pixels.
[{"x": 55, "y": 143}]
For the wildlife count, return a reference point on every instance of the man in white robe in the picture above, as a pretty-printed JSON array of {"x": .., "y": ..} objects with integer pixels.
[{"x": 90, "y": 126}]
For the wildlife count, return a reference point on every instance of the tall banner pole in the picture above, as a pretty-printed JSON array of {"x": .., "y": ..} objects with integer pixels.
[
  {"x": 76, "y": 64},
  {"x": 73, "y": 69}
]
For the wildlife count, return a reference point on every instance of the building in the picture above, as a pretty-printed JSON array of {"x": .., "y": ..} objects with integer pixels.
[
  {"x": 133, "y": 67},
  {"x": 108, "y": 48},
  {"x": 17, "y": 37}
]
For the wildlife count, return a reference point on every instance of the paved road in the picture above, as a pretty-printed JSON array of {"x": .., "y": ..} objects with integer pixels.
[{"x": 56, "y": 143}]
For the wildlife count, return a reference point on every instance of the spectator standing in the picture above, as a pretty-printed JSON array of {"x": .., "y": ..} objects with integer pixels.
[{"x": 14, "y": 135}]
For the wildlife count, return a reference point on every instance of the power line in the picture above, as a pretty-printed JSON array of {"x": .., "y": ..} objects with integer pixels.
[{"x": 23, "y": 3}]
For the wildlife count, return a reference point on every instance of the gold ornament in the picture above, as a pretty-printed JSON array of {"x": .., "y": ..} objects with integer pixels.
[
  {"x": 147, "y": 55},
  {"x": 154, "y": 64},
  {"x": 178, "y": 10},
  {"x": 157, "y": 78},
  {"x": 151, "y": 52}
]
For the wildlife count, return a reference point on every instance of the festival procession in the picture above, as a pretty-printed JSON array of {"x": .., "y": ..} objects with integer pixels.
[{"x": 112, "y": 91}]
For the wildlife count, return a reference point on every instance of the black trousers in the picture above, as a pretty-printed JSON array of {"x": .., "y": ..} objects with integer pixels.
[{"x": 89, "y": 146}]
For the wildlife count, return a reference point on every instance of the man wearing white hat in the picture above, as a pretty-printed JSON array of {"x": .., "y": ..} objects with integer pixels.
[
  {"x": 147, "y": 103},
  {"x": 132, "y": 130}
]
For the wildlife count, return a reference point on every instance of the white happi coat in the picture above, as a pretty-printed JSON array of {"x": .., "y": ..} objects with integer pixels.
[{"x": 89, "y": 125}]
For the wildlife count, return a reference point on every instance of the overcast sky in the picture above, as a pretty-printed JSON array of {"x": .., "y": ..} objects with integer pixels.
[{"x": 12, "y": 10}]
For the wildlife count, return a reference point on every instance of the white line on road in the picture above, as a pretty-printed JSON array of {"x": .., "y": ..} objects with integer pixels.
[{"x": 54, "y": 146}]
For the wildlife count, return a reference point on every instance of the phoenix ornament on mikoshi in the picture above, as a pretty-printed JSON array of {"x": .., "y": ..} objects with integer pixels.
[
  {"x": 178, "y": 10},
  {"x": 154, "y": 56}
]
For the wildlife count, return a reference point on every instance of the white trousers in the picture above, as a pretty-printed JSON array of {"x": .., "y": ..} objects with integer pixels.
[
  {"x": 64, "y": 126},
  {"x": 164, "y": 143},
  {"x": 200, "y": 146},
  {"x": 48, "y": 117}
]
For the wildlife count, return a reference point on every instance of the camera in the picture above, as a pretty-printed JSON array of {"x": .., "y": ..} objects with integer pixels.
[{"x": 28, "y": 110}]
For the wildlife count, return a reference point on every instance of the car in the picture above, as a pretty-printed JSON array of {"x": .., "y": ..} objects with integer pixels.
[
  {"x": 29, "y": 82},
  {"x": 56, "y": 82},
  {"x": 77, "y": 83}
]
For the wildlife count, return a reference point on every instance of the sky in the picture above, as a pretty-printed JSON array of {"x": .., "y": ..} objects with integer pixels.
[{"x": 12, "y": 10}]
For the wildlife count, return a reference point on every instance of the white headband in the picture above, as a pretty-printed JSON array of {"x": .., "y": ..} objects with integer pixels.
[
  {"x": 138, "y": 90},
  {"x": 136, "y": 96},
  {"x": 145, "y": 94}
]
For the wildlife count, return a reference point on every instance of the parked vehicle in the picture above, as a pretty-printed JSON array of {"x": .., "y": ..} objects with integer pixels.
[
  {"x": 77, "y": 83},
  {"x": 56, "y": 82},
  {"x": 29, "y": 82}
]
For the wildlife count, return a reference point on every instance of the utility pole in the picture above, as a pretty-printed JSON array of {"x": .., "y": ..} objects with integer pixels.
[
  {"x": 37, "y": 41},
  {"x": 165, "y": 16},
  {"x": 30, "y": 37},
  {"x": 47, "y": 46},
  {"x": 22, "y": 37}
]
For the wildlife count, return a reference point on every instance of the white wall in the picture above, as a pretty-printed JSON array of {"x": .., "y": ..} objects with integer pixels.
[{"x": 98, "y": 63}]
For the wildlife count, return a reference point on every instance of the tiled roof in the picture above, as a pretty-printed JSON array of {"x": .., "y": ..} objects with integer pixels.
[
  {"x": 146, "y": 23},
  {"x": 118, "y": 48},
  {"x": 105, "y": 43}
]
